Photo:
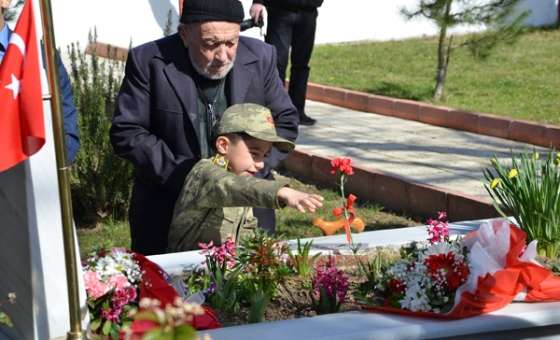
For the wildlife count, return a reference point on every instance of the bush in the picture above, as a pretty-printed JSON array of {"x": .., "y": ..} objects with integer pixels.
[
  {"x": 101, "y": 182},
  {"x": 530, "y": 191}
]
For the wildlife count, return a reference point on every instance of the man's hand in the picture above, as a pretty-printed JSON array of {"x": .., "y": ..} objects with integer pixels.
[
  {"x": 256, "y": 12},
  {"x": 301, "y": 201}
]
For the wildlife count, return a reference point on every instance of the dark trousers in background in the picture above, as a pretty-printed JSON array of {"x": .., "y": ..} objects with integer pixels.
[
  {"x": 266, "y": 219},
  {"x": 295, "y": 29}
]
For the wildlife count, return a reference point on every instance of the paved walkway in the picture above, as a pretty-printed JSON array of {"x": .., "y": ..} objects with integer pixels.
[{"x": 447, "y": 158}]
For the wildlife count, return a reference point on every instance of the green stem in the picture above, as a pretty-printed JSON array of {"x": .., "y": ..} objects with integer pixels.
[{"x": 346, "y": 216}]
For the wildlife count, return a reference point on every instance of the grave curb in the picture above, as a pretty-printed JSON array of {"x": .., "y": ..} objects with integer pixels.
[
  {"x": 392, "y": 191},
  {"x": 481, "y": 123}
]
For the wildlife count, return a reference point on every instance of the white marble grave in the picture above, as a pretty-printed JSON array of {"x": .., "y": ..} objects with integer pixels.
[{"x": 518, "y": 320}]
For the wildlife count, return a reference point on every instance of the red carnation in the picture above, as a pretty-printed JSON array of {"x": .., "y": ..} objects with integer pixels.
[
  {"x": 454, "y": 272},
  {"x": 342, "y": 164}
]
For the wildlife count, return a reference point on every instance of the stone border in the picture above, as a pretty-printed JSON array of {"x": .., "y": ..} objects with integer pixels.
[
  {"x": 393, "y": 192},
  {"x": 481, "y": 123}
]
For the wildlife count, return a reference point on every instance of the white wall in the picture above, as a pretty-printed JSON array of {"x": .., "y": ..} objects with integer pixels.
[
  {"x": 138, "y": 21},
  {"x": 352, "y": 20},
  {"x": 120, "y": 22}
]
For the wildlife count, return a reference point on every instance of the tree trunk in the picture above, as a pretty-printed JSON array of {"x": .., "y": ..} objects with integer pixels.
[{"x": 443, "y": 55}]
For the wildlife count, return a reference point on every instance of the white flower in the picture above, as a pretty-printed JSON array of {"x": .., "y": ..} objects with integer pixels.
[{"x": 118, "y": 261}]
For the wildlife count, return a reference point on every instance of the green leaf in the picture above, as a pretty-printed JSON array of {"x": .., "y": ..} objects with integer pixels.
[
  {"x": 146, "y": 315},
  {"x": 185, "y": 332},
  {"x": 94, "y": 325},
  {"x": 159, "y": 334},
  {"x": 5, "y": 320},
  {"x": 106, "y": 327}
]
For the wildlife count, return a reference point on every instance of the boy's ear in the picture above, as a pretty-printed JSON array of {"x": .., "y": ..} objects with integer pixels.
[{"x": 222, "y": 144}]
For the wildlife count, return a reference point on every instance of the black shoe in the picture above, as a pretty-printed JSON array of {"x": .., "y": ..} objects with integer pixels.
[{"x": 306, "y": 120}]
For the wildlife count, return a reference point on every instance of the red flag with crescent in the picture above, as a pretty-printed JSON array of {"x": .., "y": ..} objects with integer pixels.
[{"x": 22, "y": 130}]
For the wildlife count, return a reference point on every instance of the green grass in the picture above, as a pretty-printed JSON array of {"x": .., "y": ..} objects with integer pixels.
[
  {"x": 291, "y": 224},
  {"x": 105, "y": 236},
  {"x": 520, "y": 80}
]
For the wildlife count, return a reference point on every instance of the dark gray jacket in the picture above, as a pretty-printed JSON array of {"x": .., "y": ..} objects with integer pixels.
[{"x": 155, "y": 124}]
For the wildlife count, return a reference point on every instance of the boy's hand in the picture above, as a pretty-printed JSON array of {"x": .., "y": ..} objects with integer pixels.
[{"x": 301, "y": 201}]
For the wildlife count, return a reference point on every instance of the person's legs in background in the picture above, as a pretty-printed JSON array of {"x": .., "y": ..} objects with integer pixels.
[
  {"x": 303, "y": 39},
  {"x": 279, "y": 34}
]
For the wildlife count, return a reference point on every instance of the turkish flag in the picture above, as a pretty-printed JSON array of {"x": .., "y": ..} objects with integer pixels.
[{"x": 22, "y": 128}]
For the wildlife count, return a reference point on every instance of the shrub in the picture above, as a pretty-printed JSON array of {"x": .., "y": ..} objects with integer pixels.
[
  {"x": 101, "y": 182},
  {"x": 530, "y": 191}
]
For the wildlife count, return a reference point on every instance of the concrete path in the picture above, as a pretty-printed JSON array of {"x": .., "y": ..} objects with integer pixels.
[{"x": 442, "y": 157}]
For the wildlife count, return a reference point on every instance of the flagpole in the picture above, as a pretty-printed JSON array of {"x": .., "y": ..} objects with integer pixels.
[{"x": 63, "y": 173}]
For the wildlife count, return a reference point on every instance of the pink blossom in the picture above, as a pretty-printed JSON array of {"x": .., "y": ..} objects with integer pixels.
[
  {"x": 118, "y": 281},
  {"x": 331, "y": 280},
  {"x": 121, "y": 297},
  {"x": 111, "y": 314},
  {"x": 94, "y": 287},
  {"x": 438, "y": 229},
  {"x": 223, "y": 253}
]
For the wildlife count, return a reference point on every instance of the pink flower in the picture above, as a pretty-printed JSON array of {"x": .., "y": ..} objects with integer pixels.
[
  {"x": 331, "y": 279},
  {"x": 118, "y": 281},
  {"x": 94, "y": 287},
  {"x": 111, "y": 314},
  {"x": 438, "y": 229},
  {"x": 223, "y": 253}
]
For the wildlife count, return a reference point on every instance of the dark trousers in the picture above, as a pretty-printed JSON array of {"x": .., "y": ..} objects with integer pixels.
[
  {"x": 149, "y": 226},
  {"x": 295, "y": 29}
]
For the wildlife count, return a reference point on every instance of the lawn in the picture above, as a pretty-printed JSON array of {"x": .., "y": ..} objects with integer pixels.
[
  {"x": 520, "y": 80},
  {"x": 291, "y": 224}
]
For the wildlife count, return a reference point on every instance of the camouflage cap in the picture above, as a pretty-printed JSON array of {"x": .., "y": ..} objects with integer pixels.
[{"x": 254, "y": 120}]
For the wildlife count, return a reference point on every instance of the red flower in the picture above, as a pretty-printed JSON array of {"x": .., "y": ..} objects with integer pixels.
[
  {"x": 138, "y": 329},
  {"x": 342, "y": 164},
  {"x": 396, "y": 286},
  {"x": 446, "y": 266}
]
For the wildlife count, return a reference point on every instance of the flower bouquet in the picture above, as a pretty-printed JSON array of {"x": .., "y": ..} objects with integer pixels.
[
  {"x": 111, "y": 280},
  {"x": 115, "y": 281},
  {"x": 482, "y": 272}
]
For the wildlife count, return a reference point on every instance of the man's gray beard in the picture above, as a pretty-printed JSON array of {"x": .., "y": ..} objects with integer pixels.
[{"x": 204, "y": 72}]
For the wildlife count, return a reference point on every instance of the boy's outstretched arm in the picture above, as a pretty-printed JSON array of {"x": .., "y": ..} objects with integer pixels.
[{"x": 299, "y": 200}]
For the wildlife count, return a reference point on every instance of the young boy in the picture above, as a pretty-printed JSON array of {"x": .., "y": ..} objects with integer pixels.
[{"x": 218, "y": 193}]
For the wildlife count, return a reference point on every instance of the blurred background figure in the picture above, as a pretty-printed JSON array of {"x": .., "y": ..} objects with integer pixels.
[{"x": 291, "y": 24}]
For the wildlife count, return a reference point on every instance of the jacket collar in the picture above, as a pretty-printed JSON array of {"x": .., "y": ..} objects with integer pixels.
[
  {"x": 242, "y": 74},
  {"x": 179, "y": 71}
]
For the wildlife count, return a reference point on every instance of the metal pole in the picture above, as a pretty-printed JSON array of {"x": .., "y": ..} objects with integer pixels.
[{"x": 63, "y": 173}]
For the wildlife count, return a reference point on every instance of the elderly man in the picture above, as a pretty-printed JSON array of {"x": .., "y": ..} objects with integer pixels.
[{"x": 174, "y": 91}]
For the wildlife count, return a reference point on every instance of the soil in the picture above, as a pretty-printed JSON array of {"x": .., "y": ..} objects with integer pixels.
[
  {"x": 292, "y": 301},
  {"x": 293, "y": 298}
]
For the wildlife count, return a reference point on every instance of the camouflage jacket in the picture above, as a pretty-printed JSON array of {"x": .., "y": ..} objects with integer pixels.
[{"x": 215, "y": 203}]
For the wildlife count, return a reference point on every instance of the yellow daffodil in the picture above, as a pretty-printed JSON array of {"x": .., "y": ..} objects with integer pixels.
[
  {"x": 512, "y": 173},
  {"x": 558, "y": 158},
  {"x": 536, "y": 156},
  {"x": 495, "y": 182}
]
